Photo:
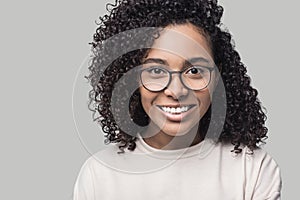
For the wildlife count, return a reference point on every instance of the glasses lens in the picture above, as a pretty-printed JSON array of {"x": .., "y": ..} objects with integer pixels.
[
  {"x": 155, "y": 78},
  {"x": 196, "y": 78}
]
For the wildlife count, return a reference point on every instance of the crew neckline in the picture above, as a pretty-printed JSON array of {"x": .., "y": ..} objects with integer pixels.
[{"x": 202, "y": 149}]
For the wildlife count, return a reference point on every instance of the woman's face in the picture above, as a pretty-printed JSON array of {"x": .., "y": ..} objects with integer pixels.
[{"x": 176, "y": 110}]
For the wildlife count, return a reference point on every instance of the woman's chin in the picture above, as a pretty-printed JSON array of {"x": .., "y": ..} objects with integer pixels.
[{"x": 179, "y": 129}]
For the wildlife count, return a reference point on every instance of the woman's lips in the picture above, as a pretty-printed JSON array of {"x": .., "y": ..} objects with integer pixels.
[{"x": 176, "y": 113}]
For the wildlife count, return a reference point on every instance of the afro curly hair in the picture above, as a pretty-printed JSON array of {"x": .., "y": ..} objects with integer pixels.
[{"x": 245, "y": 120}]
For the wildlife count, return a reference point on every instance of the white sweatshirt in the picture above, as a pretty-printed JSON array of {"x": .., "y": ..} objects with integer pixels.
[{"x": 206, "y": 171}]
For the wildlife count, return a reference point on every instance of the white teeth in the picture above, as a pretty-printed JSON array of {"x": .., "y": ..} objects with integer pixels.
[{"x": 177, "y": 110}]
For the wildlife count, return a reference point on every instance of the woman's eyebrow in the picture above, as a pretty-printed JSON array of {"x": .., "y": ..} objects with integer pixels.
[
  {"x": 197, "y": 59},
  {"x": 186, "y": 63},
  {"x": 156, "y": 60}
]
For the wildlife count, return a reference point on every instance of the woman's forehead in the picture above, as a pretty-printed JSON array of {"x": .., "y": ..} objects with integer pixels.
[
  {"x": 183, "y": 40},
  {"x": 165, "y": 57}
]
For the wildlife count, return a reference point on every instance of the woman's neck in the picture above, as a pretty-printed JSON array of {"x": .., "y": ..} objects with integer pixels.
[{"x": 165, "y": 141}]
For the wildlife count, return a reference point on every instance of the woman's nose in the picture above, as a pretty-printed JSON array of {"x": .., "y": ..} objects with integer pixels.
[{"x": 176, "y": 89}]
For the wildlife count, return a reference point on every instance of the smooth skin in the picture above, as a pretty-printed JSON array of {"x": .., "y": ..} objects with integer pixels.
[{"x": 177, "y": 46}]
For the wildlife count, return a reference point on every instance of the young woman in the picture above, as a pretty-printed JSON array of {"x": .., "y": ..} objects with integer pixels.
[{"x": 176, "y": 104}]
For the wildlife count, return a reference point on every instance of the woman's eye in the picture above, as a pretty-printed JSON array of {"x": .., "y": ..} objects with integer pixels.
[
  {"x": 194, "y": 70},
  {"x": 156, "y": 71}
]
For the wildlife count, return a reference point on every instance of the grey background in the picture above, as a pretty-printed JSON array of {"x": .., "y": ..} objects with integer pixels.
[{"x": 44, "y": 43}]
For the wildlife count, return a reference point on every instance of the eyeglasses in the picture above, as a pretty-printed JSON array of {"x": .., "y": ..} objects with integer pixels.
[{"x": 157, "y": 78}]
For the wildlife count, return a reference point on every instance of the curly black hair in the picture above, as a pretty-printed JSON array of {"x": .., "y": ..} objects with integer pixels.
[{"x": 245, "y": 120}]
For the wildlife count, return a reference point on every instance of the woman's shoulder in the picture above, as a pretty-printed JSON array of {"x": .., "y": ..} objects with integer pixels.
[
  {"x": 99, "y": 158},
  {"x": 259, "y": 170},
  {"x": 257, "y": 154},
  {"x": 257, "y": 159}
]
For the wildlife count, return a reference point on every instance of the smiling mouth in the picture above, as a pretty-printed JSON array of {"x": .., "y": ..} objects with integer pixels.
[{"x": 176, "y": 110}]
